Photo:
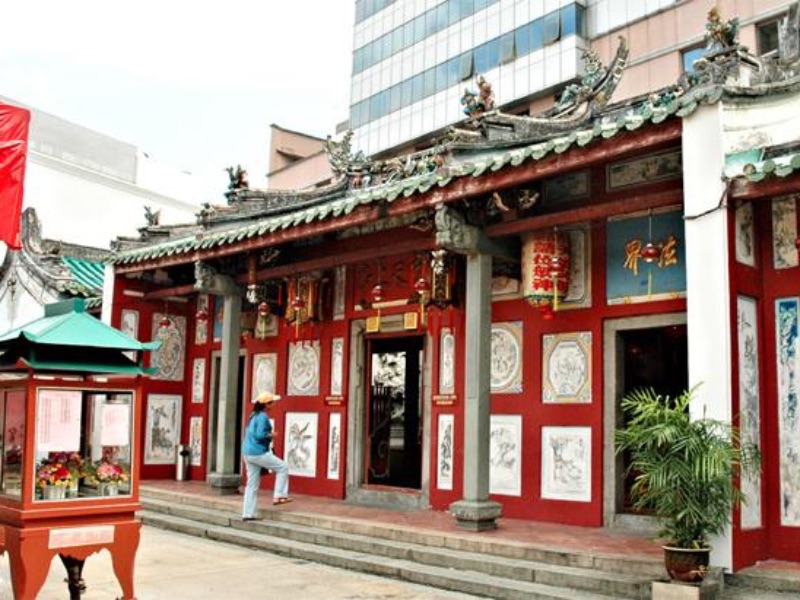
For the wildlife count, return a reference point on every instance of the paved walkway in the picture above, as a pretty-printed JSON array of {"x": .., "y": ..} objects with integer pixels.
[{"x": 173, "y": 566}]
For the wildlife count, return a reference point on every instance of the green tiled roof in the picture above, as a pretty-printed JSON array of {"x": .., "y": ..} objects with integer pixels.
[
  {"x": 653, "y": 110},
  {"x": 68, "y": 339},
  {"x": 67, "y": 324},
  {"x": 86, "y": 273},
  {"x": 781, "y": 166}
]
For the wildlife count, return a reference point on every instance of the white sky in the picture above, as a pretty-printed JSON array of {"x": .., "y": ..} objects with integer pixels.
[{"x": 194, "y": 83}]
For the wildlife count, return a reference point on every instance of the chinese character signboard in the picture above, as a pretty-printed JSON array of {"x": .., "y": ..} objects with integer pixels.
[{"x": 645, "y": 258}]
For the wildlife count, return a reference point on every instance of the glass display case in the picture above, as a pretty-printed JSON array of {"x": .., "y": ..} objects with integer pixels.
[
  {"x": 12, "y": 443},
  {"x": 82, "y": 444}
]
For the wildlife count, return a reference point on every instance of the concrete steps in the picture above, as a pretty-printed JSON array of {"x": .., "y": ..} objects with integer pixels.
[
  {"x": 482, "y": 567},
  {"x": 760, "y": 580},
  {"x": 457, "y": 580}
]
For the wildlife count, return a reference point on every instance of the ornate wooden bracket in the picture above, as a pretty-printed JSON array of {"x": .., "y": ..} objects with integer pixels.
[
  {"x": 454, "y": 234},
  {"x": 208, "y": 281}
]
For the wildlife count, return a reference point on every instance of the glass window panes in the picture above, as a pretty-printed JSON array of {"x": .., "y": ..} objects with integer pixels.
[
  {"x": 552, "y": 28},
  {"x": 689, "y": 56},
  {"x": 429, "y": 83},
  {"x": 536, "y": 34},
  {"x": 522, "y": 40},
  {"x": 507, "y": 49},
  {"x": 530, "y": 37},
  {"x": 568, "y": 20},
  {"x": 467, "y": 65},
  {"x": 83, "y": 444},
  {"x": 487, "y": 56},
  {"x": 767, "y": 37},
  {"x": 12, "y": 409},
  {"x": 395, "y": 98}
]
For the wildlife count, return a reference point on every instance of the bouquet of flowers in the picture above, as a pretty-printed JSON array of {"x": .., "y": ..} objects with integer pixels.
[
  {"x": 72, "y": 460},
  {"x": 110, "y": 473},
  {"x": 53, "y": 474}
]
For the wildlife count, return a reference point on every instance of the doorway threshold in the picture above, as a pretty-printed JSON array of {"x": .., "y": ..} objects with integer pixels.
[{"x": 387, "y": 497}]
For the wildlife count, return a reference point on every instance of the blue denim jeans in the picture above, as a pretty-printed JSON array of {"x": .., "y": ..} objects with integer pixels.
[{"x": 254, "y": 465}]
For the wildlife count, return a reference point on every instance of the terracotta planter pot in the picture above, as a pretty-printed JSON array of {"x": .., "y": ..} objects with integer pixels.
[{"x": 689, "y": 565}]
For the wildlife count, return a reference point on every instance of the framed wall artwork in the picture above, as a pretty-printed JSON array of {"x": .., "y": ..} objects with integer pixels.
[
  {"x": 784, "y": 232},
  {"x": 447, "y": 361},
  {"x": 566, "y": 188},
  {"x": 745, "y": 235},
  {"x": 219, "y": 305},
  {"x": 129, "y": 325},
  {"x": 749, "y": 404},
  {"x": 266, "y": 326},
  {"x": 506, "y": 358},
  {"x": 198, "y": 380},
  {"x": 339, "y": 281},
  {"x": 505, "y": 455},
  {"x": 163, "y": 428},
  {"x": 506, "y": 288},
  {"x": 169, "y": 358},
  {"x": 300, "y": 443},
  {"x": 787, "y": 326},
  {"x": 645, "y": 170},
  {"x": 567, "y": 464},
  {"x": 444, "y": 452},
  {"x": 303, "y": 379},
  {"x": 334, "y": 445},
  {"x": 567, "y": 367},
  {"x": 196, "y": 441},
  {"x": 265, "y": 369},
  {"x": 337, "y": 367},
  {"x": 579, "y": 292},
  {"x": 201, "y": 327}
]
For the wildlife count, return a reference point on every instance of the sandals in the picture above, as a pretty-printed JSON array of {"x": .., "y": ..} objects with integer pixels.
[{"x": 282, "y": 501}]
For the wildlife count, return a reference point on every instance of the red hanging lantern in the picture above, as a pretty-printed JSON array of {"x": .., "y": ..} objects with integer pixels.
[
  {"x": 650, "y": 253},
  {"x": 377, "y": 293},
  {"x": 545, "y": 269}
]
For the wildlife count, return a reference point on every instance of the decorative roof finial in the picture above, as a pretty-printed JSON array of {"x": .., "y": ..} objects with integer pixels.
[{"x": 720, "y": 35}]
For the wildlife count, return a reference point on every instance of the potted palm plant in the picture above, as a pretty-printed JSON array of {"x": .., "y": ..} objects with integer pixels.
[{"x": 685, "y": 473}]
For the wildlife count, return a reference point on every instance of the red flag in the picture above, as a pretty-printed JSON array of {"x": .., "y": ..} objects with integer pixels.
[{"x": 14, "y": 123}]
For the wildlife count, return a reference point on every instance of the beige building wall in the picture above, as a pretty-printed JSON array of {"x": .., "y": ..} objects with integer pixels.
[
  {"x": 657, "y": 41},
  {"x": 296, "y": 160}
]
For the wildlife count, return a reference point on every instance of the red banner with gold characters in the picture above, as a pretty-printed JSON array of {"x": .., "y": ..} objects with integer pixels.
[{"x": 14, "y": 123}]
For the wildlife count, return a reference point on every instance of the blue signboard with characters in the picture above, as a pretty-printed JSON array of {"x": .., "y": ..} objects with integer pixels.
[{"x": 645, "y": 258}]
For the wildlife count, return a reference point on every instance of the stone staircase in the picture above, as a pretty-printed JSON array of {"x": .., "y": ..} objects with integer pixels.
[
  {"x": 764, "y": 582},
  {"x": 480, "y": 566}
]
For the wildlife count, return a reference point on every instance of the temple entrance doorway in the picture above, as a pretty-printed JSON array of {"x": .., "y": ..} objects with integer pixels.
[
  {"x": 394, "y": 407},
  {"x": 639, "y": 352}
]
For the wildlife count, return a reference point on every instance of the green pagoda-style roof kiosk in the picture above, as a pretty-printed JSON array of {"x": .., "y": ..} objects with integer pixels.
[{"x": 70, "y": 401}]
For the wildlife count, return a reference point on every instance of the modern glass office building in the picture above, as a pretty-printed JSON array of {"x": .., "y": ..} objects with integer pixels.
[{"x": 413, "y": 59}]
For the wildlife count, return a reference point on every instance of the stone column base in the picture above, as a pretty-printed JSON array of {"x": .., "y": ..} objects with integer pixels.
[
  {"x": 224, "y": 484},
  {"x": 476, "y": 515}
]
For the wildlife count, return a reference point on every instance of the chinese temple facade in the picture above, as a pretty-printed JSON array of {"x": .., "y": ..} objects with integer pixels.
[{"x": 455, "y": 328}]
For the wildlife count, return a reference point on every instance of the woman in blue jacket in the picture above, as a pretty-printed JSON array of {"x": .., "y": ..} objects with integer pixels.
[{"x": 257, "y": 451}]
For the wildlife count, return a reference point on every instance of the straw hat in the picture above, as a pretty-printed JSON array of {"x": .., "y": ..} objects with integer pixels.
[{"x": 267, "y": 398}]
